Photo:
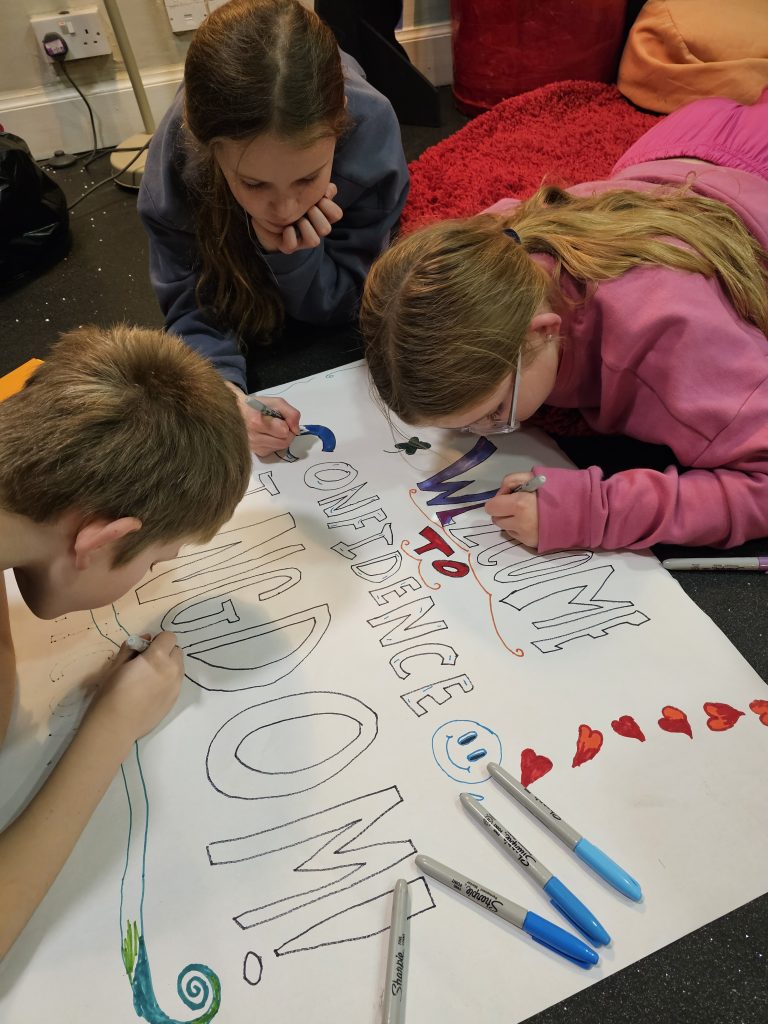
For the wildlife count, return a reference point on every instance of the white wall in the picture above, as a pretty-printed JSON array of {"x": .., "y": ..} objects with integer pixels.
[{"x": 38, "y": 103}]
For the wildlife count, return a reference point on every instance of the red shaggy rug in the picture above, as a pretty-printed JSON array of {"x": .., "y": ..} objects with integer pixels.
[{"x": 562, "y": 133}]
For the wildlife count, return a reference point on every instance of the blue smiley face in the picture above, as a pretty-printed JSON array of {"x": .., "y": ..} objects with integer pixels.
[{"x": 463, "y": 748}]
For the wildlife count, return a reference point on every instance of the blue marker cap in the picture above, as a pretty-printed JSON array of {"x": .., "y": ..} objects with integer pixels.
[
  {"x": 563, "y": 899},
  {"x": 559, "y": 940},
  {"x": 608, "y": 869}
]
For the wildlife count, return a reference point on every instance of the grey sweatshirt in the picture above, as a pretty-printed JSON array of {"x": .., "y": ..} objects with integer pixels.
[{"x": 320, "y": 285}]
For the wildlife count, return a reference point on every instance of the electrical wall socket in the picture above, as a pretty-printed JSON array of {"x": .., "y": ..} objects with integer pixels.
[
  {"x": 185, "y": 15},
  {"x": 82, "y": 30}
]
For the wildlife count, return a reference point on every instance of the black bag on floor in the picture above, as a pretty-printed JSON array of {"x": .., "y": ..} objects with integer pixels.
[{"x": 34, "y": 223}]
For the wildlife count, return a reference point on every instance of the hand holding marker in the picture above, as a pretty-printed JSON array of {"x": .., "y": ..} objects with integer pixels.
[
  {"x": 584, "y": 850},
  {"x": 137, "y": 643},
  {"x": 530, "y": 485},
  {"x": 263, "y": 408},
  {"x": 560, "y": 896}
]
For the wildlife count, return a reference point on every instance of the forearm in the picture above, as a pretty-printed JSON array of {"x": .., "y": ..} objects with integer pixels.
[
  {"x": 7, "y": 664},
  {"x": 639, "y": 508},
  {"x": 34, "y": 848}
]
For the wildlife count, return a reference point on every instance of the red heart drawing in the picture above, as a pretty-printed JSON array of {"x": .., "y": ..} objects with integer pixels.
[
  {"x": 721, "y": 716},
  {"x": 760, "y": 707},
  {"x": 587, "y": 746},
  {"x": 627, "y": 726},
  {"x": 533, "y": 766},
  {"x": 675, "y": 720}
]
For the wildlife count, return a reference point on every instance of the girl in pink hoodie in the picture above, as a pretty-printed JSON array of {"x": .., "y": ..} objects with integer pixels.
[{"x": 641, "y": 301}]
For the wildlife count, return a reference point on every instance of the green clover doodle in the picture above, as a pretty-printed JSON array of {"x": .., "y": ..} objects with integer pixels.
[{"x": 410, "y": 446}]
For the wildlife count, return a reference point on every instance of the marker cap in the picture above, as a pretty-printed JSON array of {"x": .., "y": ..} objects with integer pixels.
[
  {"x": 563, "y": 899},
  {"x": 559, "y": 940},
  {"x": 608, "y": 869}
]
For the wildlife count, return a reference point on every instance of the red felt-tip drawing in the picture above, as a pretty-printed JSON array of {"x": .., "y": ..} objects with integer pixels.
[
  {"x": 587, "y": 746},
  {"x": 760, "y": 708},
  {"x": 674, "y": 720},
  {"x": 627, "y": 726},
  {"x": 721, "y": 716},
  {"x": 533, "y": 766}
]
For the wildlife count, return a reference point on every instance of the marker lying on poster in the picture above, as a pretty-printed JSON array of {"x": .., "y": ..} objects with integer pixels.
[
  {"x": 584, "y": 850},
  {"x": 560, "y": 896},
  {"x": 530, "y": 485},
  {"x": 137, "y": 643},
  {"x": 397, "y": 955},
  {"x": 757, "y": 563},
  {"x": 541, "y": 931}
]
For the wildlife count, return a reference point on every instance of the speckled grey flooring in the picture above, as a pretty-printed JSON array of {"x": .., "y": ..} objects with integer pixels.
[{"x": 718, "y": 975}]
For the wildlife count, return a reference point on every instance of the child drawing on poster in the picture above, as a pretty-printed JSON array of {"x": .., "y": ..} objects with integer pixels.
[{"x": 121, "y": 446}]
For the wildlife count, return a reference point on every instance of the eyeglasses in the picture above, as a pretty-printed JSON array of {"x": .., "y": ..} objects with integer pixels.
[{"x": 490, "y": 424}]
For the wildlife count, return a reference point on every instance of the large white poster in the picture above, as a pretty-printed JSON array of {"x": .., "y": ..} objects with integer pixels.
[{"x": 360, "y": 642}]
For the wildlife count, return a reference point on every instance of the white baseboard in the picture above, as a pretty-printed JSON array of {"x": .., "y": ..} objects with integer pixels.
[
  {"x": 54, "y": 117},
  {"x": 51, "y": 118}
]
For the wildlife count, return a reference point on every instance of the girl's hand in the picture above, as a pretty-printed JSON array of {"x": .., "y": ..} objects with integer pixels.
[
  {"x": 516, "y": 514},
  {"x": 267, "y": 434},
  {"x": 307, "y": 231}
]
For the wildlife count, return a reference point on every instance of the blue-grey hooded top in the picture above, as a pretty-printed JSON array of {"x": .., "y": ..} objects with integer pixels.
[{"x": 318, "y": 286}]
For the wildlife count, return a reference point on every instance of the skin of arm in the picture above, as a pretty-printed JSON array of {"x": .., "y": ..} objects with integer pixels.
[
  {"x": 7, "y": 664},
  {"x": 134, "y": 695}
]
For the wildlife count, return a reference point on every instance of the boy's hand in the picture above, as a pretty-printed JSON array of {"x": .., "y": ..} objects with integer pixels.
[
  {"x": 307, "y": 231},
  {"x": 516, "y": 514},
  {"x": 138, "y": 690},
  {"x": 268, "y": 434}
]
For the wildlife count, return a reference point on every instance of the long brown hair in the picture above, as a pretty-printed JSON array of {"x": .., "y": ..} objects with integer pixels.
[
  {"x": 445, "y": 311},
  {"x": 125, "y": 421},
  {"x": 253, "y": 66}
]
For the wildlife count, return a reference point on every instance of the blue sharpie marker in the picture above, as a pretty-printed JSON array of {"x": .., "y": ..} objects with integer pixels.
[
  {"x": 541, "y": 931},
  {"x": 584, "y": 850},
  {"x": 560, "y": 895}
]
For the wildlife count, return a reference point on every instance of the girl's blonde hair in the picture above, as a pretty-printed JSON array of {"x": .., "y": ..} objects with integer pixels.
[
  {"x": 253, "y": 66},
  {"x": 445, "y": 311}
]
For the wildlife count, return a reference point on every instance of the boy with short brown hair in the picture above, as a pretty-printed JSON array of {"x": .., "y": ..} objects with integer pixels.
[{"x": 123, "y": 445}]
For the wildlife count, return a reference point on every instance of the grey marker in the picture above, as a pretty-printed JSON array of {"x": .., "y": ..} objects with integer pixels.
[
  {"x": 530, "y": 485},
  {"x": 500, "y": 906},
  {"x": 137, "y": 643},
  {"x": 397, "y": 955},
  {"x": 537, "y": 807},
  {"x": 559, "y": 895},
  {"x": 539, "y": 928},
  {"x": 506, "y": 840},
  {"x": 263, "y": 408},
  {"x": 582, "y": 847}
]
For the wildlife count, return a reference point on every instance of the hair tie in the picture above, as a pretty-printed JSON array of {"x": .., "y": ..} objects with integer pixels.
[{"x": 511, "y": 233}]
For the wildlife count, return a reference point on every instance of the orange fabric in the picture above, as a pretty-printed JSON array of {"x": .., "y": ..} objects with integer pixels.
[
  {"x": 683, "y": 50},
  {"x": 16, "y": 379}
]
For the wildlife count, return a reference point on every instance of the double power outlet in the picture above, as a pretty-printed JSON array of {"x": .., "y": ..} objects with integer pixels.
[{"x": 83, "y": 30}]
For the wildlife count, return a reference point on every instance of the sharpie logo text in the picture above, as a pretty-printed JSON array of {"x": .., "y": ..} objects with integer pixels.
[
  {"x": 488, "y": 900},
  {"x": 397, "y": 982}
]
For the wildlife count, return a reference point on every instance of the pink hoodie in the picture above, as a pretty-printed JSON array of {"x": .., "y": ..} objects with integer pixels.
[{"x": 661, "y": 355}]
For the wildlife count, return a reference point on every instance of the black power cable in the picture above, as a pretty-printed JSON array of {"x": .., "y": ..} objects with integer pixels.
[
  {"x": 81, "y": 94},
  {"x": 105, "y": 181},
  {"x": 56, "y": 48}
]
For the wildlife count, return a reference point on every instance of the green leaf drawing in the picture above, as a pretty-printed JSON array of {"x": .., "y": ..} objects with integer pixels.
[{"x": 130, "y": 947}]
